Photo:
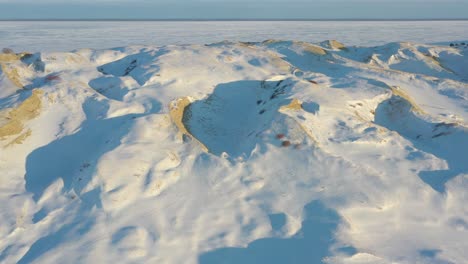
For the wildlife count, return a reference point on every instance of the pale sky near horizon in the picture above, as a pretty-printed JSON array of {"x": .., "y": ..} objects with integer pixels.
[{"x": 232, "y": 9}]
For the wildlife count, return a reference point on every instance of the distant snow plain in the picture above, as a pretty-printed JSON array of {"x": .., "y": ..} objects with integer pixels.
[{"x": 36, "y": 36}]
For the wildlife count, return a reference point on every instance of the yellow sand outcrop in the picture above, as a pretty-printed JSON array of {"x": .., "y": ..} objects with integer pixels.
[
  {"x": 294, "y": 105},
  {"x": 311, "y": 48},
  {"x": 177, "y": 109},
  {"x": 7, "y": 64},
  {"x": 15, "y": 118},
  {"x": 399, "y": 92},
  {"x": 333, "y": 44}
]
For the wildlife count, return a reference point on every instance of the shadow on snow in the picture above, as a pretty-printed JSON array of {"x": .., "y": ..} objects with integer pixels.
[
  {"x": 73, "y": 158},
  {"x": 443, "y": 140},
  {"x": 310, "y": 245}
]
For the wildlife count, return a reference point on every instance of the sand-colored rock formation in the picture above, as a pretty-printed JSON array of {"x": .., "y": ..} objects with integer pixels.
[
  {"x": 8, "y": 57},
  {"x": 333, "y": 44},
  {"x": 15, "y": 118},
  {"x": 7, "y": 64},
  {"x": 397, "y": 91},
  {"x": 280, "y": 64},
  {"x": 177, "y": 110},
  {"x": 20, "y": 139},
  {"x": 294, "y": 105},
  {"x": 311, "y": 48},
  {"x": 16, "y": 69},
  {"x": 271, "y": 41},
  {"x": 12, "y": 74}
]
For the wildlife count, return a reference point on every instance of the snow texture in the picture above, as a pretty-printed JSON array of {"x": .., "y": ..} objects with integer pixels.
[{"x": 235, "y": 152}]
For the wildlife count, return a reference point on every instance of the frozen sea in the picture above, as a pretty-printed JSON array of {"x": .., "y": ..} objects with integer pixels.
[{"x": 69, "y": 35}]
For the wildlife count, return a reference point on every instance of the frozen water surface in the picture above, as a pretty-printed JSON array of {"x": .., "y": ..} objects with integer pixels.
[{"x": 69, "y": 35}]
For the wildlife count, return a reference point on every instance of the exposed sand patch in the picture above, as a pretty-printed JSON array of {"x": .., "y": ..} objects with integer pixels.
[
  {"x": 333, "y": 44},
  {"x": 27, "y": 110},
  {"x": 436, "y": 61},
  {"x": 177, "y": 110},
  {"x": 8, "y": 57},
  {"x": 11, "y": 64},
  {"x": 308, "y": 47},
  {"x": 271, "y": 41},
  {"x": 20, "y": 138},
  {"x": 294, "y": 105},
  {"x": 414, "y": 107},
  {"x": 12, "y": 127},
  {"x": 73, "y": 58},
  {"x": 311, "y": 48},
  {"x": 280, "y": 63},
  {"x": 18, "y": 68},
  {"x": 11, "y": 73}
]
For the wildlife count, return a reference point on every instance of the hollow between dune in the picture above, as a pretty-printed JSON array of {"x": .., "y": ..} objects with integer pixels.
[{"x": 232, "y": 118}]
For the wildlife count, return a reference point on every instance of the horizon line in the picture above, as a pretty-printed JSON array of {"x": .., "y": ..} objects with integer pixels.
[{"x": 228, "y": 19}]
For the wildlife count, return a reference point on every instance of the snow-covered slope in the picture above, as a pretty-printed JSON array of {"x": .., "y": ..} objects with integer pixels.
[{"x": 271, "y": 152}]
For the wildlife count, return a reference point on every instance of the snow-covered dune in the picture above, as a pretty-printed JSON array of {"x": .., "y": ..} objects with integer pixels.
[{"x": 265, "y": 152}]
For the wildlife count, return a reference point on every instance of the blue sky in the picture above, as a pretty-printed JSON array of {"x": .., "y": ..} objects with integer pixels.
[{"x": 232, "y": 9}]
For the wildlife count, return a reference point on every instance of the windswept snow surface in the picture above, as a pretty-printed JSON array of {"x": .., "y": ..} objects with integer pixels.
[{"x": 266, "y": 152}]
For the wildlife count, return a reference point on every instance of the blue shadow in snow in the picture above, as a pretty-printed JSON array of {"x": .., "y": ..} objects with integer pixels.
[
  {"x": 47, "y": 243},
  {"x": 79, "y": 226},
  {"x": 444, "y": 140},
  {"x": 310, "y": 245},
  {"x": 111, "y": 87},
  {"x": 140, "y": 66},
  {"x": 74, "y": 157},
  {"x": 432, "y": 256},
  {"x": 231, "y": 119}
]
